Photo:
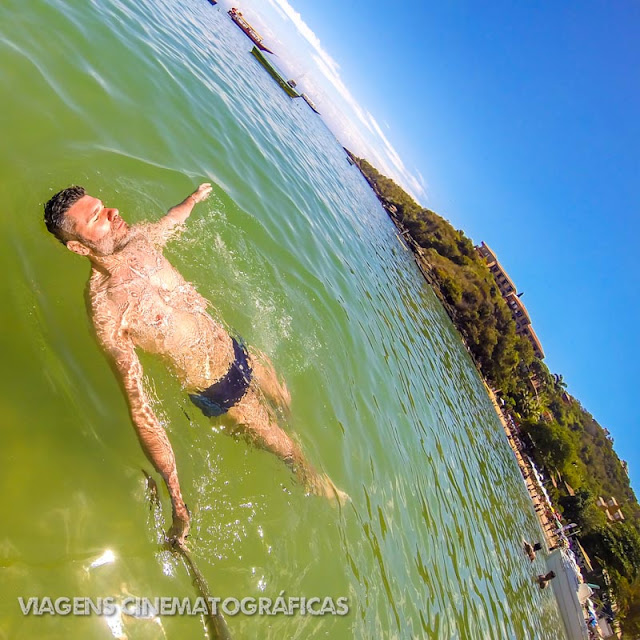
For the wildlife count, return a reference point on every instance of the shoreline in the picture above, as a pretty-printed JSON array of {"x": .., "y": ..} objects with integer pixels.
[
  {"x": 538, "y": 500},
  {"x": 548, "y": 528},
  {"x": 555, "y": 544}
]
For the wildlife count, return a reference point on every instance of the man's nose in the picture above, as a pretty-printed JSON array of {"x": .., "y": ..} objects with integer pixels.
[{"x": 111, "y": 214}]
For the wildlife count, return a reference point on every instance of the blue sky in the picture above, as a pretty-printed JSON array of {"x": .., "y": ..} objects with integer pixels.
[{"x": 518, "y": 122}]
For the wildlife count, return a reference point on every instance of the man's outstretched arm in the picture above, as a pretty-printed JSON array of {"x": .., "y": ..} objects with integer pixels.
[
  {"x": 177, "y": 215},
  {"x": 153, "y": 438}
]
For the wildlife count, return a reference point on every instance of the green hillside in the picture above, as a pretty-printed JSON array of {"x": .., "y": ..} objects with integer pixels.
[{"x": 566, "y": 440}]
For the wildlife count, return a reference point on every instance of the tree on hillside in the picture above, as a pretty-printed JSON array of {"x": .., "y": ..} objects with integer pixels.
[
  {"x": 629, "y": 603},
  {"x": 618, "y": 546},
  {"x": 567, "y": 438},
  {"x": 581, "y": 509},
  {"x": 554, "y": 445}
]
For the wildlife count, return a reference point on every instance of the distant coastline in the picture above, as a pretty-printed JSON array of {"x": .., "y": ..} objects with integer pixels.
[{"x": 562, "y": 437}]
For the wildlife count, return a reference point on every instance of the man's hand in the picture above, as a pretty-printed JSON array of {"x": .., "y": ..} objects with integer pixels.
[
  {"x": 177, "y": 534},
  {"x": 202, "y": 192},
  {"x": 178, "y": 214}
]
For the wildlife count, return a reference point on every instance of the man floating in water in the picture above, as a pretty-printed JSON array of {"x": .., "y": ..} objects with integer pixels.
[{"x": 137, "y": 299}]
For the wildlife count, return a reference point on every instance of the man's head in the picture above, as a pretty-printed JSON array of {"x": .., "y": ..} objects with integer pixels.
[{"x": 83, "y": 224}]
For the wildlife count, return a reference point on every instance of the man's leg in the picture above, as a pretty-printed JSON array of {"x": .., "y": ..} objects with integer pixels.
[
  {"x": 257, "y": 424},
  {"x": 265, "y": 375}
]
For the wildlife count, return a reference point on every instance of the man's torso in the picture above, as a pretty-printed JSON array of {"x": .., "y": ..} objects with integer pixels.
[{"x": 146, "y": 298}]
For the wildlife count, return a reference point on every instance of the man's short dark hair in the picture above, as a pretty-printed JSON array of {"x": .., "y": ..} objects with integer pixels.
[{"x": 57, "y": 207}]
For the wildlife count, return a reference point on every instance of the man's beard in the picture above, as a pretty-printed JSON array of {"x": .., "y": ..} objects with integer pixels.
[{"x": 111, "y": 243}]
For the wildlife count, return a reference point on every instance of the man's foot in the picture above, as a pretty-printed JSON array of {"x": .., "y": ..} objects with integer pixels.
[{"x": 324, "y": 486}]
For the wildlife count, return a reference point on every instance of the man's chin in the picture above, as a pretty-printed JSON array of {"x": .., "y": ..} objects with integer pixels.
[
  {"x": 121, "y": 238},
  {"x": 112, "y": 244}
]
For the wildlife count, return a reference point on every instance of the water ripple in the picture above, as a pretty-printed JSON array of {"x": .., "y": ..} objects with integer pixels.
[{"x": 143, "y": 101}]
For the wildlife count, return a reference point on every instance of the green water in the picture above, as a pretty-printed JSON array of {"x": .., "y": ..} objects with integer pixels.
[{"x": 139, "y": 102}]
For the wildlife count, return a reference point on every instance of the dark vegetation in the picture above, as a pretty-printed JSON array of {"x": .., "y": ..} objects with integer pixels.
[{"x": 565, "y": 438}]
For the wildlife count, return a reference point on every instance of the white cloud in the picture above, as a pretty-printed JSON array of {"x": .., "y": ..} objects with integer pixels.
[
  {"x": 362, "y": 134},
  {"x": 284, "y": 8}
]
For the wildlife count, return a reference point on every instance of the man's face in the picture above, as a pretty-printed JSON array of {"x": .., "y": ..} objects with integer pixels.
[{"x": 99, "y": 228}]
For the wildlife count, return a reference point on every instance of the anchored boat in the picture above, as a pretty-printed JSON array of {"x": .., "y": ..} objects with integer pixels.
[
  {"x": 308, "y": 100},
  {"x": 274, "y": 73},
  {"x": 249, "y": 31}
]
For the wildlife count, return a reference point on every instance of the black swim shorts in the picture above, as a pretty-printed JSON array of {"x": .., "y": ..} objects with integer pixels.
[{"x": 228, "y": 390}]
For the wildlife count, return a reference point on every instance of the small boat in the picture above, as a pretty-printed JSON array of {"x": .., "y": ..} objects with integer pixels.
[
  {"x": 274, "y": 73},
  {"x": 249, "y": 31},
  {"x": 308, "y": 100}
]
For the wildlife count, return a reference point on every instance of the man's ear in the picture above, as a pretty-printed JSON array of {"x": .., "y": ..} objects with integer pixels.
[{"x": 78, "y": 247}]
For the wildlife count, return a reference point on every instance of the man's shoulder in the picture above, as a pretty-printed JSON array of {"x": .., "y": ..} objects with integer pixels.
[
  {"x": 97, "y": 283},
  {"x": 99, "y": 301},
  {"x": 149, "y": 233},
  {"x": 105, "y": 316}
]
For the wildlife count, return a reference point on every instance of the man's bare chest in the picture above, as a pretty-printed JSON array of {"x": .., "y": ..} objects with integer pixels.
[
  {"x": 144, "y": 289},
  {"x": 150, "y": 302}
]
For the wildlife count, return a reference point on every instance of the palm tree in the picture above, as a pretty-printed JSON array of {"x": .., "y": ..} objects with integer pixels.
[{"x": 559, "y": 381}]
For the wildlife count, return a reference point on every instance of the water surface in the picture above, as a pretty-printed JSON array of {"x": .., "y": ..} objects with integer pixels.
[{"x": 140, "y": 101}]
